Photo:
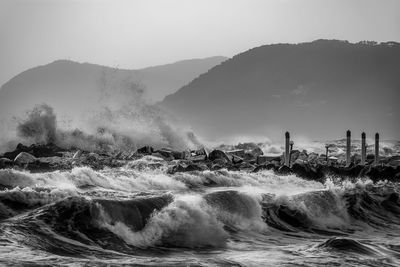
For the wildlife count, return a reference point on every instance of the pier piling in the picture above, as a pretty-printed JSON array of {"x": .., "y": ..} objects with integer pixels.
[
  {"x": 348, "y": 147},
  {"x": 363, "y": 149},
  {"x": 287, "y": 149},
  {"x": 376, "y": 161}
]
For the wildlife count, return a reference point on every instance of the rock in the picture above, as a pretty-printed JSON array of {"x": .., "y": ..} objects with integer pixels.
[
  {"x": 285, "y": 170},
  {"x": 294, "y": 155},
  {"x": 5, "y": 162},
  {"x": 180, "y": 155},
  {"x": 269, "y": 166},
  {"x": 251, "y": 155},
  {"x": 202, "y": 151},
  {"x": 145, "y": 150},
  {"x": 236, "y": 160},
  {"x": 187, "y": 167},
  {"x": 394, "y": 162},
  {"x": 262, "y": 160},
  {"x": 77, "y": 154},
  {"x": 167, "y": 155},
  {"x": 238, "y": 152},
  {"x": 313, "y": 157},
  {"x": 199, "y": 158},
  {"x": 24, "y": 158},
  {"x": 303, "y": 156},
  {"x": 218, "y": 154},
  {"x": 92, "y": 156},
  {"x": 377, "y": 173},
  {"x": 245, "y": 166},
  {"x": 307, "y": 172},
  {"x": 49, "y": 150}
]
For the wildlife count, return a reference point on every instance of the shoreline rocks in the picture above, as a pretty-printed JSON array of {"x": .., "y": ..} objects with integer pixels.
[{"x": 46, "y": 158}]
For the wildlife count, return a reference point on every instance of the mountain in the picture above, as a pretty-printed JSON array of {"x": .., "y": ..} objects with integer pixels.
[
  {"x": 72, "y": 88},
  {"x": 315, "y": 90}
]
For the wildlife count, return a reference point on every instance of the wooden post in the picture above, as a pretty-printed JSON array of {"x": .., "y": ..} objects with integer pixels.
[
  {"x": 363, "y": 149},
  {"x": 348, "y": 147},
  {"x": 376, "y": 148},
  {"x": 287, "y": 152},
  {"x": 326, "y": 154},
  {"x": 291, "y": 143}
]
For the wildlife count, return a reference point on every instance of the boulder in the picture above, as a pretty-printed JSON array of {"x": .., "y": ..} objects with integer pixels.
[
  {"x": 236, "y": 160},
  {"x": 165, "y": 154},
  {"x": 306, "y": 171},
  {"x": 199, "y": 158},
  {"x": 187, "y": 167},
  {"x": 261, "y": 159},
  {"x": 48, "y": 150},
  {"x": 394, "y": 162},
  {"x": 268, "y": 166},
  {"x": 284, "y": 170},
  {"x": 218, "y": 154},
  {"x": 313, "y": 157},
  {"x": 4, "y": 162},
  {"x": 24, "y": 158},
  {"x": 202, "y": 151},
  {"x": 303, "y": 156},
  {"x": 238, "y": 152},
  {"x": 245, "y": 166},
  {"x": 251, "y": 155},
  {"x": 145, "y": 150},
  {"x": 294, "y": 155}
]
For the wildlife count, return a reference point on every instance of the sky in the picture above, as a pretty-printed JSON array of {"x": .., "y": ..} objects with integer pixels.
[{"x": 139, "y": 33}]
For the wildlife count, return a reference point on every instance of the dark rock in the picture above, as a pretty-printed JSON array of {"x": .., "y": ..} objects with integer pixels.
[
  {"x": 202, "y": 151},
  {"x": 238, "y": 152},
  {"x": 303, "y": 156},
  {"x": 24, "y": 158},
  {"x": 308, "y": 172},
  {"x": 182, "y": 167},
  {"x": 218, "y": 154},
  {"x": 245, "y": 166},
  {"x": 39, "y": 151},
  {"x": 198, "y": 158},
  {"x": 145, "y": 150},
  {"x": 236, "y": 159},
  {"x": 262, "y": 160},
  {"x": 312, "y": 157},
  {"x": 284, "y": 170},
  {"x": 294, "y": 155},
  {"x": 5, "y": 162},
  {"x": 49, "y": 150},
  {"x": 377, "y": 173},
  {"x": 269, "y": 166},
  {"x": 167, "y": 155}
]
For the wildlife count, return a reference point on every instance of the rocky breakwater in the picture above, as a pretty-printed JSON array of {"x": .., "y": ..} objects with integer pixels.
[{"x": 42, "y": 158}]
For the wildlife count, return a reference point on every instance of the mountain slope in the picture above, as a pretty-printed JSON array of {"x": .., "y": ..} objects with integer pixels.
[
  {"x": 316, "y": 89},
  {"x": 72, "y": 88}
]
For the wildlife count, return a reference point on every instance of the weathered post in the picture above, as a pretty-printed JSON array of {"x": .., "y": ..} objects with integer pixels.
[
  {"x": 287, "y": 152},
  {"x": 376, "y": 148},
  {"x": 348, "y": 147},
  {"x": 291, "y": 143},
  {"x": 363, "y": 149},
  {"x": 326, "y": 154}
]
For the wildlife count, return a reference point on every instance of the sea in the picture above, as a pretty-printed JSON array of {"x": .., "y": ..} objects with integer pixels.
[{"x": 140, "y": 215}]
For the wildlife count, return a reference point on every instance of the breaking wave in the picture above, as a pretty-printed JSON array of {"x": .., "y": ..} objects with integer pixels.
[{"x": 126, "y": 210}]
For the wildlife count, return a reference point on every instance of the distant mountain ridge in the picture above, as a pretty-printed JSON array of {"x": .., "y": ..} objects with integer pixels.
[
  {"x": 71, "y": 87},
  {"x": 317, "y": 89}
]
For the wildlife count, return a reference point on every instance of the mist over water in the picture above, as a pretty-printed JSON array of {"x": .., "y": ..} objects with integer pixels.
[{"x": 121, "y": 120}]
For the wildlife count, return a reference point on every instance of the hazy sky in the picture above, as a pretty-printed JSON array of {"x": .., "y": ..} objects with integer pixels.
[{"x": 139, "y": 33}]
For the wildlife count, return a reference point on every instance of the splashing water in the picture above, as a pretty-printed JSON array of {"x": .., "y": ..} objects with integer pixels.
[{"x": 139, "y": 215}]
